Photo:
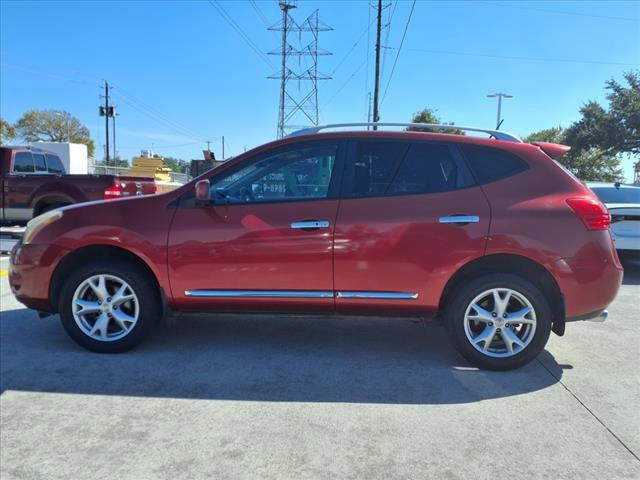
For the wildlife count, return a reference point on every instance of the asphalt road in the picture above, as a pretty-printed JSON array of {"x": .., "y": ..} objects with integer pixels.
[{"x": 224, "y": 396}]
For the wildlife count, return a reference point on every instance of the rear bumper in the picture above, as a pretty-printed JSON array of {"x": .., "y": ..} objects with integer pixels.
[
  {"x": 31, "y": 268},
  {"x": 589, "y": 281}
]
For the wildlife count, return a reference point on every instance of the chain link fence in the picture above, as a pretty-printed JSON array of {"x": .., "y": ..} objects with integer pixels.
[{"x": 97, "y": 169}]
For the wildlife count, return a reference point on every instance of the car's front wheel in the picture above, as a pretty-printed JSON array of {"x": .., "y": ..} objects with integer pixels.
[
  {"x": 107, "y": 307},
  {"x": 499, "y": 321}
]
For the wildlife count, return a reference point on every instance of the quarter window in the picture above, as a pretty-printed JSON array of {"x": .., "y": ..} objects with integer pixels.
[
  {"x": 54, "y": 165},
  {"x": 297, "y": 174},
  {"x": 491, "y": 164},
  {"x": 23, "y": 162}
]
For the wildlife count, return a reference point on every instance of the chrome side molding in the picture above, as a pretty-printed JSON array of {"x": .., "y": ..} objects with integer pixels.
[
  {"x": 300, "y": 294},
  {"x": 261, "y": 293},
  {"x": 378, "y": 295},
  {"x": 460, "y": 219}
]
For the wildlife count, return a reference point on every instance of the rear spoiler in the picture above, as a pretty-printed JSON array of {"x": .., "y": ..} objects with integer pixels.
[{"x": 554, "y": 150}]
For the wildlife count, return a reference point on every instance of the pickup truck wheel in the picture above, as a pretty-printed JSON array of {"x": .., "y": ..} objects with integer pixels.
[
  {"x": 108, "y": 306},
  {"x": 51, "y": 206},
  {"x": 499, "y": 321}
]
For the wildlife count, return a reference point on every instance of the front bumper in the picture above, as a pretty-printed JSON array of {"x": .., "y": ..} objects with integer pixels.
[{"x": 31, "y": 268}]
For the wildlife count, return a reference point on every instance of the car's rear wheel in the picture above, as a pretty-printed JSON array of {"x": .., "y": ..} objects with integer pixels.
[
  {"x": 108, "y": 307},
  {"x": 499, "y": 321}
]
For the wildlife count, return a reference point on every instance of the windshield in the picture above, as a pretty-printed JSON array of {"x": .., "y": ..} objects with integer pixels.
[{"x": 617, "y": 195}]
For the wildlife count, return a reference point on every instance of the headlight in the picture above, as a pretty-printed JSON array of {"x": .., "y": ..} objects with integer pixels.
[{"x": 35, "y": 225}]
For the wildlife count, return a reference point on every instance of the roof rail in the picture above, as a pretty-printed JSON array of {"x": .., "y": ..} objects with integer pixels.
[{"x": 498, "y": 135}]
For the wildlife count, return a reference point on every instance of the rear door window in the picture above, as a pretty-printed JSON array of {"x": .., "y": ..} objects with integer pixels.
[
  {"x": 54, "y": 164},
  {"x": 39, "y": 162},
  {"x": 385, "y": 168},
  {"x": 429, "y": 168},
  {"x": 372, "y": 167},
  {"x": 23, "y": 162},
  {"x": 491, "y": 164}
]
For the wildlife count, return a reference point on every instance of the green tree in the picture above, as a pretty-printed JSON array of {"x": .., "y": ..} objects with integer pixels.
[
  {"x": 53, "y": 126},
  {"x": 591, "y": 164},
  {"x": 427, "y": 115},
  {"x": 615, "y": 129},
  {"x": 551, "y": 135},
  {"x": 7, "y": 131},
  {"x": 176, "y": 164}
]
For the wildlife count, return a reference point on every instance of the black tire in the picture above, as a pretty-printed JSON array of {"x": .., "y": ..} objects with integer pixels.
[
  {"x": 461, "y": 299},
  {"x": 144, "y": 288},
  {"x": 52, "y": 206}
]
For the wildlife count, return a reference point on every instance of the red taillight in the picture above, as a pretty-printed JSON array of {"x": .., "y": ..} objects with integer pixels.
[
  {"x": 592, "y": 212},
  {"x": 155, "y": 188},
  {"x": 114, "y": 191}
]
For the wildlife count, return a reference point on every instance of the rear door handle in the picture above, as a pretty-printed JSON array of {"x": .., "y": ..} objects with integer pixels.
[
  {"x": 310, "y": 225},
  {"x": 460, "y": 219}
]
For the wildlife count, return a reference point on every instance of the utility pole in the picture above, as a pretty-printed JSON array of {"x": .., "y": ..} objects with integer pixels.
[
  {"x": 113, "y": 121},
  {"x": 106, "y": 112},
  {"x": 106, "y": 119},
  {"x": 500, "y": 96},
  {"x": 223, "y": 157},
  {"x": 369, "y": 111},
  {"x": 376, "y": 112}
]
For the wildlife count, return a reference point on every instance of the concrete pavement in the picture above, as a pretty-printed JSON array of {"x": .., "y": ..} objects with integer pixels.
[{"x": 236, "y": 396}]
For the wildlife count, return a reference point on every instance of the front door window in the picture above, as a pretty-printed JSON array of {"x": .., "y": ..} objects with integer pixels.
[{"x": 293, "y": 175}]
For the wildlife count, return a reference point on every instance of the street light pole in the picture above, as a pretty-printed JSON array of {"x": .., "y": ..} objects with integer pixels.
[{"x": 500, "y": 97}]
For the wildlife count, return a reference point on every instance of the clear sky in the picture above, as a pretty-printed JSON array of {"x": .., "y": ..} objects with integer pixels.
[{"x": 182, "y": 75}]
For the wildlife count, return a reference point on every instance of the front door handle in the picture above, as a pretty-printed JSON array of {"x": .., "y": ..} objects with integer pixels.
[
  {"x": 461, "y": 219},
  {"x": 310, "y": 225}
]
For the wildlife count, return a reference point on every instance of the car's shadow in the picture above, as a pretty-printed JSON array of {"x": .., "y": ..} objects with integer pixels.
[{"x": 263, "y": 358}]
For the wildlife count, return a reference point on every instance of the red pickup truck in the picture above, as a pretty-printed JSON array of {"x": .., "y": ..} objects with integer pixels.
[{"x": 34, "y": 181}]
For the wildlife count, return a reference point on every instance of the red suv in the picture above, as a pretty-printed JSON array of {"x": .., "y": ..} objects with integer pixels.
[{"x": 489, "y": 234}]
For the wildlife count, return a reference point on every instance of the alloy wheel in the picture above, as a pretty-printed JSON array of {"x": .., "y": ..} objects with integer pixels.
[
  {"x": 105, "y": 308},
  {"x": 500, "y": 322}
]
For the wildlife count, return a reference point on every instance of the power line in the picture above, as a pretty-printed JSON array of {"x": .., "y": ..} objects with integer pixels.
[
  {"x": 156, "y": 112},
  {"x": 223, "y": 13},
  {"x": 560, "y": 12},
  {"x": 262, "y": 16},
  {"x": 505, "y": 57},
  {"x": 395, "y": 62},
  {"x": 345, "y": 83},
  {"x": 152, "y": 113},
  {"x": 341, "y": 62},
  {"x": 391, "y": 11}
]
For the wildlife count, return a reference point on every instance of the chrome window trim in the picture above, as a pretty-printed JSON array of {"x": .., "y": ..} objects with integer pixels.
[
  {"x": 260, "y": 293},
  {"x": 378, "y": 295}
]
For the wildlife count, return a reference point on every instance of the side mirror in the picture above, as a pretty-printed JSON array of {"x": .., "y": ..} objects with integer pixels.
[{"x": 202, "y": 191}]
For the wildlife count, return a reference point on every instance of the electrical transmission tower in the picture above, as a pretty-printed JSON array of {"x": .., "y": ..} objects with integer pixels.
[{"x": 298, "y": 106}]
